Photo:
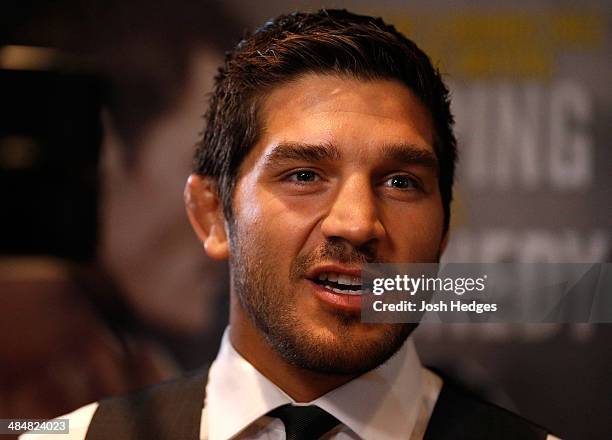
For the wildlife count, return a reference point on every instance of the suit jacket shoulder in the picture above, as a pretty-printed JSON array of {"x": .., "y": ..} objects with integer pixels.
[
  {"x": 169, "y": 410},
  {"x": 461, "y": 415}
]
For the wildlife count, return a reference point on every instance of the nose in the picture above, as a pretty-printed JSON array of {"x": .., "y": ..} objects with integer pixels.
[{"x": 353, "y": 214}]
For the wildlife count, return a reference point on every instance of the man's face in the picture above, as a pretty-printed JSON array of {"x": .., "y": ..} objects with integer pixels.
[{"x": 344, "y": 174}]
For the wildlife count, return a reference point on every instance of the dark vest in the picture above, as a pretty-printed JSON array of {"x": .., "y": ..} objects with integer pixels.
[{"x": 173, "y": 410}]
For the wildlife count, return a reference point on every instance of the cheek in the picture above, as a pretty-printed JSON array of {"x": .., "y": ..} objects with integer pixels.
[
  {"x": 416, "y": 232},
  {"x": 273, "y": 224}
]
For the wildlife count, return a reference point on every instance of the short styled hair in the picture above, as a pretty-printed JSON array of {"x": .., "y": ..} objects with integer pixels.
[{"x": 324, "y": 42}]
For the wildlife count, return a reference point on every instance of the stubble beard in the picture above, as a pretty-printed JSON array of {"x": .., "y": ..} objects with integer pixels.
[{"x": 273, "y": 311}]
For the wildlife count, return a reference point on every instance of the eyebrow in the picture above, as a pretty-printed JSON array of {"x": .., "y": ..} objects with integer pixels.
[
  {"x": 410, "y": 154},
  {"x": 297, "y": 151},
  {"x": 405, "y": 154}
]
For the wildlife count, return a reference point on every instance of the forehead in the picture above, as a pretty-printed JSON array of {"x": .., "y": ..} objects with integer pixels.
[{"x": 343, "y": 111}]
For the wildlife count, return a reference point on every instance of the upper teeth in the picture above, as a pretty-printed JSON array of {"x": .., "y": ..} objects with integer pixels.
[{"x": 340, "y": 278}]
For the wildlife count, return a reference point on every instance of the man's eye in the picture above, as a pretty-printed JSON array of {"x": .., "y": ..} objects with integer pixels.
[
  {"x": 402, "y": 182},
  {"x": 303, "y": 176}
]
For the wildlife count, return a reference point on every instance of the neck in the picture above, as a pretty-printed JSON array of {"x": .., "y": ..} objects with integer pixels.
[{"x": 300, "y": 384}]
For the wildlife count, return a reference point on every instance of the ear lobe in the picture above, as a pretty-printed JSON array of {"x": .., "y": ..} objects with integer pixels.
[{"x": 206, "y": 215}]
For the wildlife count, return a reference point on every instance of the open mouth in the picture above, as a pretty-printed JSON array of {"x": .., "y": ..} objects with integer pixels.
[{"x": 340, "y": 283}]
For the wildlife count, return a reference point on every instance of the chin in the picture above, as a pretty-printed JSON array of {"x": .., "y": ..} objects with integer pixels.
[{"x": 344, "y": 350}]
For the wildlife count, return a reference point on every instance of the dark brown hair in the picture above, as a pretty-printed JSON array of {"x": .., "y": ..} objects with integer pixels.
[{"x": 327, "y": 41}]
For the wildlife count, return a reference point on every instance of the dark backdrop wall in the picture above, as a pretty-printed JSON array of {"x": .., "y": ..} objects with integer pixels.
[{"x": 533, "y": 107}]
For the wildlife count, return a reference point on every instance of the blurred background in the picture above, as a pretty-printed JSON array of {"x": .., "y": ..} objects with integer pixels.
[{"x": 103, "y": 286}]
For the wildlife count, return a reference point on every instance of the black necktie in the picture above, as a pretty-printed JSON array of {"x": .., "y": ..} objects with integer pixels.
[{"x": 304, "y": 422}]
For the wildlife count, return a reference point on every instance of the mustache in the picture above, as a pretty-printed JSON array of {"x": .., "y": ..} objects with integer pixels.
[{"x": 335, "y": 250}]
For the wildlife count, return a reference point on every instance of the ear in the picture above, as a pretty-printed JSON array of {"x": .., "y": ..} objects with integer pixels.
[{"x": 205, "y": 213}]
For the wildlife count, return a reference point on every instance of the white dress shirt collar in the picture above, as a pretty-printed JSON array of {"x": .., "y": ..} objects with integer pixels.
[{"x": 382, "y": 404}]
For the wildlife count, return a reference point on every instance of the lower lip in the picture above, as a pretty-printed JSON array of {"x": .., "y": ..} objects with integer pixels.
[{"x": 339, "y": 301}]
